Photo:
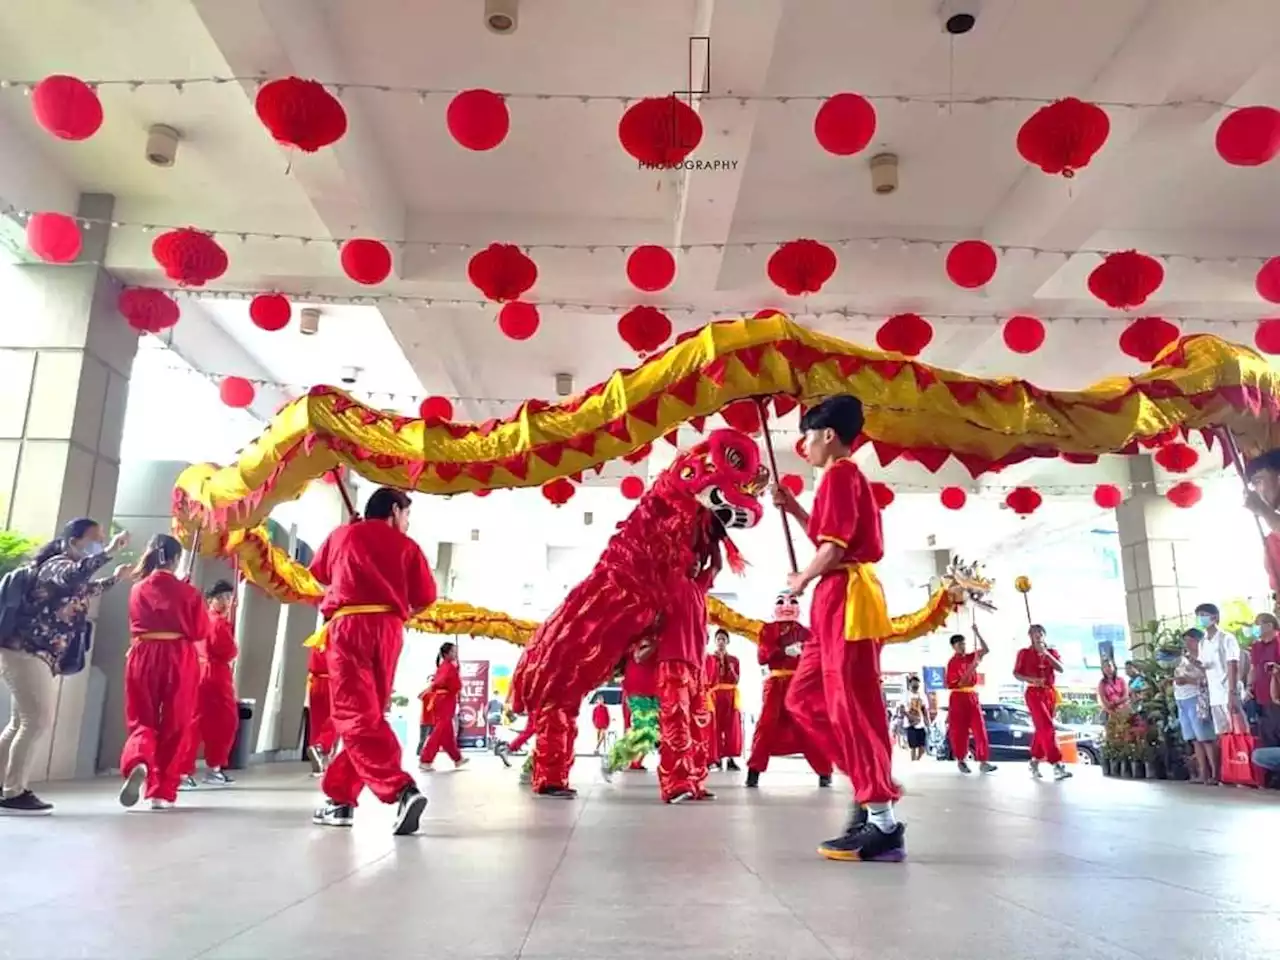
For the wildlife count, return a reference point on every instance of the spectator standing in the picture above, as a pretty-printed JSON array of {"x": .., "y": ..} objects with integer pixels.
[
  {"x": 1195, "y": 716},
  {"x": 1220, "y": 656},
  {"x": 1113, "y": 692}
]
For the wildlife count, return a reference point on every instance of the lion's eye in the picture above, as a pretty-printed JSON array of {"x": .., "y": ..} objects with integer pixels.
[{"x": 687, "y": 473}]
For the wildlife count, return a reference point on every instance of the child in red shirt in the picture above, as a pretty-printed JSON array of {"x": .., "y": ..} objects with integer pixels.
[
  {"x": 835, "y": 695},
  {"x": 600, "y": 720}
]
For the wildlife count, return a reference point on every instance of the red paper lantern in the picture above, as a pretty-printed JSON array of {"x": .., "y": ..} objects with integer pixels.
[
  {"x": 1023, "y": 501},
  {"x": 905, "y": 333},
  {"x": 502, "y": 272},
  {"x": 1249, "y": 136},
  {"x": 793, "y": 483},
  {"x": 559, "y": 491},
  {"x": 189, "y": 257},
  {"x": 632, "y": 488},
  {"x": 54, "y": 237},
  {"x": 1023, "y": 334},
  {"x": 1266, "y": 336},
  {"x": 800, "y": 448},
  {"x": 802, "y": 266},
  {"x": 147, "y": 310},
  {"x": 1267, "y": 282},
  {"x": 301, "y": 113},
  {"x": 478, "y": 119},
  {"x": 1177, "y": 457},
  {"x": 845, "y": 124},
  {"x": 1062, "y": 137},
  {"x": 1108, "y": 496},
  {"x": 1185, "y": 494},
  {"x": 660, "y": 131},
  {"x": 971, "y": 263},
  {"x": 67, "y": 107},
  {"x": 518, "y": 320},
  {"x": 1146, "y": 337},
  {"x": 435, "y": 409},
  {"x": 651, "y": 268},
  {"x": 270, "y": 311},
  {"x": 1124, "y": 280},
  {"x": 742, "y": 415},
  {"x": 366, "y": 261},
  {"x": 953, "y": 498},
  {"x": 883, "y": 495},
  {"x": 644, "y": 329},
  {"x": 236, "y": 392}
]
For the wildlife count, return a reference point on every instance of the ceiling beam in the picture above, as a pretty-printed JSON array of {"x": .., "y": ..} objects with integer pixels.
[{"x": 736, "y": 60}]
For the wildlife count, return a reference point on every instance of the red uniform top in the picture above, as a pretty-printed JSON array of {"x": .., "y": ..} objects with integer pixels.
[
  {"x": 957, "y": 667},
  {"x": 845, "y": 513},
  {"x": 775, "y": 637},
  {"x": 1031, "y": 663},
  {"x": 723, "y": 671},
  {"x": 161, "y": 603},
  {"x": 600, "y": 717},
  {"x": 318, "y": 664},
  {"x": 640, "y": 679},
  {"x": 219, "y": 648},
  {"x": 370, "y": 562},
  {"x": 684, "y": 627},
  {"x": 444, "y": 689}
]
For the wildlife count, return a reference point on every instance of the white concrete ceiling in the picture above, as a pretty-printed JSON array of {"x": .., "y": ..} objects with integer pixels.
[{"x": 562, "y": 179}]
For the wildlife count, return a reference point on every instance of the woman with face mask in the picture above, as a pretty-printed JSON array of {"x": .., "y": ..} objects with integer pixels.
[{"x": 49, "y": 639}]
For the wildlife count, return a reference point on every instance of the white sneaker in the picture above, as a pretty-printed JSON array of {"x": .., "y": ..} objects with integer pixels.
[
  {"x": 427, "y": 767},
  {"x": 1035, "y": 770},
  {"x": 1060, "y": 772},
  {"x": 216, "y": 778},
  {"x": 461, "y": 763},
  {"x": 188, "y": 783},
  {"x": 131, "y": 791},
  {"x": 158, "y": 804}
]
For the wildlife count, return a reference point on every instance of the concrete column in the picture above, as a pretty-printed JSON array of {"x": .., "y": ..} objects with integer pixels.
[
  {"x": 65, "y": 360},
  {"x": 1160, "y": 562}
]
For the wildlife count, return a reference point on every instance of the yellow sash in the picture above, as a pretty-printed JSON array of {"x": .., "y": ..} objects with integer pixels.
[
  {"x": 866, "y": 617},
  {"x": 781, "y": 673},
  {"x": 964, "y": 689},
  {"x": 319, "y": 640},
  {"x": 721, "y": 687},
  {"x": 158, "y": 635}
]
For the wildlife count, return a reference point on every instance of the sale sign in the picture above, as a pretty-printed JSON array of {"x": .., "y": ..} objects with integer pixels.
[{"x": 472, "y": 702}]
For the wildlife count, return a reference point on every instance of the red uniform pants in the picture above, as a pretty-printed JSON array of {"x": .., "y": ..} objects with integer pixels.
[
  {"x": 160, "y": 678},
  {"x": 1044, "y": 743},
  {"x": 964, "y": 720},
  {"x": 684, "y": 727},
  {"x": 443, "y": 735},
  {"x": 836, "y": 699},
  {"x": 557, "y": 729},
  {"x": 216, "y": 719},
  {"x": 727, "y": 731},
  {"x": 778, "y": 735},
  {"x": 362, "y": 653},
  {"x": 320, "y": 732}
]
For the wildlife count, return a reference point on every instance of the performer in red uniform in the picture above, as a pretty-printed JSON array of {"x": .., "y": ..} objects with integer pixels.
[
  {"x": 375, "y": 578},
  {"x": 441, "y": 698},
  {"x": 964, "y": 713},
  {"x": 217, "y": 715},
  {"x": 321, "y": 737},
  {"x": 166, "y": 619},
  {"x": 835, "y": 695},
  {"x": 723, "y": 671},
  {"x": 777, "y": 734},
  {"x": 1037, "y": 666}
]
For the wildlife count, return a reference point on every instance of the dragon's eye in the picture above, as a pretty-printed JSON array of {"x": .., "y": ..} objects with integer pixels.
[{"x": 735, "y": 458}]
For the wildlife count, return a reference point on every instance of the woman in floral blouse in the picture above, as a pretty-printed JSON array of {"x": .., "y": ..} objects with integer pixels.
[{"x": 51, "y": 623}]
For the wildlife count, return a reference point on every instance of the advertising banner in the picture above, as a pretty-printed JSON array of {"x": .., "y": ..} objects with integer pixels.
[{"x": 472, "y": 728}]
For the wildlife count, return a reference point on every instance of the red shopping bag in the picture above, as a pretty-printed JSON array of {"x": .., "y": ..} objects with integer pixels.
[{"x": 1237, "y": 762}]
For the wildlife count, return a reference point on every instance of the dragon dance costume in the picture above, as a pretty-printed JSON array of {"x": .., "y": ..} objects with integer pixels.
[{"x": 651, "y": 580}]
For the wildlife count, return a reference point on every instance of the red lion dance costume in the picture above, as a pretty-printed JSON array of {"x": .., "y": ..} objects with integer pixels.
[
  {"x": 651, "y": 581},
  {"x": 777, "y": 734}
]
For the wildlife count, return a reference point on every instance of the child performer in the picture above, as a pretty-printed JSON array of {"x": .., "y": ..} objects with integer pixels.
[
  {"x": 723, "y": 672},
  {"x": 835, "y": 695},
  {"x": 217, "y": 715},
  {"x": 600, "y": 720},
  {"x": 441, "y": 699},
  {"x": 640, "y": 689},
  {"x": 375, "y": 578},
  {"x": 166, "y": 619},
  {"x": 1036, "y": 666},
  {"x": 777, "y": 734},
  {"x": 964, "y": 713},
  {"x": 321, "y": 737}
]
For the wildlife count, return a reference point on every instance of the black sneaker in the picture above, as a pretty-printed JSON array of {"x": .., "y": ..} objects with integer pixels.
[
  {"x": 409, "y": 811},
  {"x": 504, "y": 754},
  {"x": 131, "y": 791},
  {"x": 753, "y": 778},
  {"x": 25, "y": 804},
  {"x": 334, "y": 815},
  {"x": 558, "y": 793},
  {"x": 963, "y": 767},
  {"x": 188, "y": 783},
  {"x": 732, "y": 766},
  {"x": 824, "y": 780},
  {"x": 868, "y": 844},
  {"x": 704, "y": 797}
]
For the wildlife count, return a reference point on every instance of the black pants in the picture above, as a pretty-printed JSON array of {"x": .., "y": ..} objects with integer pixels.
[{"x": 424, "y": 731}]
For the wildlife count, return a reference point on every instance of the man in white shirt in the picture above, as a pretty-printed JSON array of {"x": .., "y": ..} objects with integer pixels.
[{"x": 1220, "y": 655}]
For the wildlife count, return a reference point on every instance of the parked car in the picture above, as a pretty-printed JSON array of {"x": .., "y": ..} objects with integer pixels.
[{"x": 1009, "y": 730}]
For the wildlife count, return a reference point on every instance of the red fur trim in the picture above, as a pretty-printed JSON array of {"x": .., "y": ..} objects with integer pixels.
[{"x": 733, "y": 556}]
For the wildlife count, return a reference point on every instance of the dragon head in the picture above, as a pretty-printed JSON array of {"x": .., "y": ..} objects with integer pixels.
[
  {"x": 786, "y": 609},
  {"x": 724, "y": 474},
  {"x": 966, "y": 582}
]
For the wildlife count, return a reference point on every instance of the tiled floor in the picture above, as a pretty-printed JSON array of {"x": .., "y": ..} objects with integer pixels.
[{"x": 1000, "y": 867}]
